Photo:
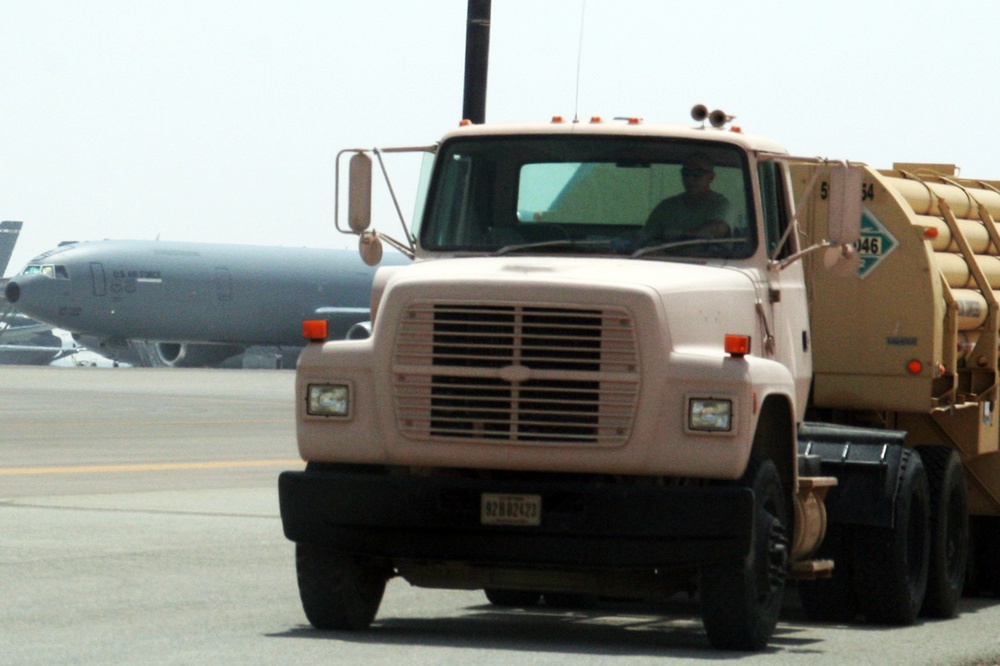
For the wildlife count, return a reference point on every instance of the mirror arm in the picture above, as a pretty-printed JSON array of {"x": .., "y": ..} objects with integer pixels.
[
  {"x": 402, "y": 247},
  {"x": 402, "y": 220},
  {"x": 775, "y": 265}
]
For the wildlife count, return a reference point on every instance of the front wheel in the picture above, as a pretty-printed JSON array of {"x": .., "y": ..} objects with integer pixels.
[
  {"x": 741, "y": 600},
  {"x": 338, "y": 591}
]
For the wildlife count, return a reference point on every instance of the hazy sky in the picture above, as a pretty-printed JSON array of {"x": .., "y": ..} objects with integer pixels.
[{"x": 210, "y": 120}]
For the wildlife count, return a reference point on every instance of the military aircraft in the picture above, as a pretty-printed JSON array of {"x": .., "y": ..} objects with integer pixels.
[{"x": 192, "y": 304}]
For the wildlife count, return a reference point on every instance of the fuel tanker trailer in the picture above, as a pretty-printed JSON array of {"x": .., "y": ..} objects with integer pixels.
[
  {"x": 907, "y": 343},
  {"x": 635, "y": 359}
]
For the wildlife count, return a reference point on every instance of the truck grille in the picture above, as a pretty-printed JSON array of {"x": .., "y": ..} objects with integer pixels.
[{"x": 516, "y": 374}]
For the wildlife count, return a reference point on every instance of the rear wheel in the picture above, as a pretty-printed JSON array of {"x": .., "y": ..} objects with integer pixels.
[
  {"x": 833, "y": 599},
  {"x": 893, "y": 562},
  {"x": 983, "y": 573},
  {"x": 338, "y": 591},
  {"x": 741, "y": 600},
  {"x": 949, "y": 548}
]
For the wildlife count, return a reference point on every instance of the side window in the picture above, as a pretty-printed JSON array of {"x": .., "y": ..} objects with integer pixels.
[
  {"x": 775, "y": 210},
  {"x": 463, "y": 207}
]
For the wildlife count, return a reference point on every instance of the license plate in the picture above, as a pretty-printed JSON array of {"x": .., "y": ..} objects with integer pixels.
[{"x": 503, "y": 509}]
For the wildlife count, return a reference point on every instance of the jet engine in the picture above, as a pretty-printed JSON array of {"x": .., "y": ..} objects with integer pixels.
[
  {"x": 187, "y": 355},
  {"x": 360, "y": 331}
]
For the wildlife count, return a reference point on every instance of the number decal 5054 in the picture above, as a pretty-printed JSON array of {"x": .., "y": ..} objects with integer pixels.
[{"x": 867, "y": 191}]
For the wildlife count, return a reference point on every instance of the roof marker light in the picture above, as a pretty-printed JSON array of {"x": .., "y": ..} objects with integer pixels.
[
  {"x": 737, "y": 345},
  {"x": 464, "y": 122},
  {"x": 595, "y": 119},
  {"x": 557, "y": 119}
]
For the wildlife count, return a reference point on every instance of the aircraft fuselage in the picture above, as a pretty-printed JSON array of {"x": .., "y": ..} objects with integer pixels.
[{"x": 194, "y": 292}]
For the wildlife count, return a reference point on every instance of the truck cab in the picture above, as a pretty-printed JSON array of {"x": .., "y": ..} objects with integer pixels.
[{"x": 589, "y": 383}]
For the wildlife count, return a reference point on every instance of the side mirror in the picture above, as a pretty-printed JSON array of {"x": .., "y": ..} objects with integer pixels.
[
  {"x": 370, "y": 248},
  {"x": 359, "y": 202},
  {"x": 844, "y": 196}
]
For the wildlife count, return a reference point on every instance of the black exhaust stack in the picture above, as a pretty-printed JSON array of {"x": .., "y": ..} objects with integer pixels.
[{"x": 477, "y": 55}]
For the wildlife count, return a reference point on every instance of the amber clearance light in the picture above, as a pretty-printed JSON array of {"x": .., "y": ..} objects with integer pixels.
[
  {"x": 737, "y": 345},
  {"x": 315, "y": 330}
]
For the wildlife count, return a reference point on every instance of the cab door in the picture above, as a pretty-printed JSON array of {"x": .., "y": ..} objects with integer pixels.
[{"x": 787, "y": 307}]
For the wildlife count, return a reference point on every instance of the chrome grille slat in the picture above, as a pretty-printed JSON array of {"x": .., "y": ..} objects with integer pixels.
[{"x": 571, "y": 374}]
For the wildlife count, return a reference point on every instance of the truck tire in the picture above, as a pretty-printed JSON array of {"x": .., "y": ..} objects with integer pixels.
[
  {"x": 893, "y": 562},
  {"x": 983, "y": 573},
  {"x": 833, "y": 599},
  {"x": 512, "y": 598},
  {"x": 570, "y": 600},
  {"x": 338, "y": 592},
  {"x": 741, "y": 600},
  {"x": 949, "y": 519}
]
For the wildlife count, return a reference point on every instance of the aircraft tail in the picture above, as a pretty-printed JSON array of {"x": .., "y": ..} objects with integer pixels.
[{"x": 8, "y": 238}]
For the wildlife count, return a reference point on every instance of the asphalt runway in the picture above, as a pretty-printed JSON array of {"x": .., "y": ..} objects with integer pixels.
[{"x": 139, "y": 522}]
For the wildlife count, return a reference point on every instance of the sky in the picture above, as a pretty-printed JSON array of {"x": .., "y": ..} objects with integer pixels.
[{"x": 220, "y": 120}]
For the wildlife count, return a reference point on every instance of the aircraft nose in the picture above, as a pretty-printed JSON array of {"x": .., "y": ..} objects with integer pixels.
[{"x": 12, "y": 292}]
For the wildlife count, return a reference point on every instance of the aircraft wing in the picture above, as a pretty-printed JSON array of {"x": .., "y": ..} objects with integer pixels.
[
  {"x": 37, "y": 348},
  {"x": 8, "y": 238},
  {"x": 30, "y": 354},
  {"x": 333, "y": 310},
  {"x": 17, "y": 334}
]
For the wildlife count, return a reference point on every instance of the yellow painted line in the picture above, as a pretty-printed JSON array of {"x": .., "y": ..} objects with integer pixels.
[
  {"x": 131, "y": 424},
  {"x": 146, "y": 467}
]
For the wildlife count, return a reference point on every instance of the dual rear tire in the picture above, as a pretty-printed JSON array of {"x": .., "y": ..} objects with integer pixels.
[{"x": 892, "y": 575}]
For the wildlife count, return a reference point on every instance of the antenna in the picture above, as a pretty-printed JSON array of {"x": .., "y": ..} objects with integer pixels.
[{"x": 579, "y": 58}]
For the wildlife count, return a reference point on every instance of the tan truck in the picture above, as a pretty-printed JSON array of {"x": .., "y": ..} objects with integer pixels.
[{"x": 632, "y": 360}]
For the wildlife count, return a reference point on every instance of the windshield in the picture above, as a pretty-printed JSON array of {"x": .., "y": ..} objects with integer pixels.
[{"x": 635, "y": 196}]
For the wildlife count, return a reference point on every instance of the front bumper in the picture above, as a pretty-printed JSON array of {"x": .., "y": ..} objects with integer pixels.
[{"x": 583, "y": 523}]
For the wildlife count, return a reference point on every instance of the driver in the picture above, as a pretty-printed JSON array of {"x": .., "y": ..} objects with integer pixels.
[{"x": 698, "y": 212}]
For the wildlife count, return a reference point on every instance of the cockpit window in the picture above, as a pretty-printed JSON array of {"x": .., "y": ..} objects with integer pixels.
[
  {"x": 56, "y": 271},
  {"x": 646, "y": 198}
]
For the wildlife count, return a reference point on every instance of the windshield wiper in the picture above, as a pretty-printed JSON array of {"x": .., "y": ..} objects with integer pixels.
[
  {"x": 641, "y": 252},
  {"x": 520, "y": 247}
]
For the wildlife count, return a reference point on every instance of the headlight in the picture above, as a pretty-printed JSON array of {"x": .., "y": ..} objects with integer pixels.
[
  {"x": 329, "y": 400},
  {"x": 710, "y": 414}
]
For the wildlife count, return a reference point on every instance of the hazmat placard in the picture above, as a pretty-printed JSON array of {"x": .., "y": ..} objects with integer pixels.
[{"x": 874, "y": 244}]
